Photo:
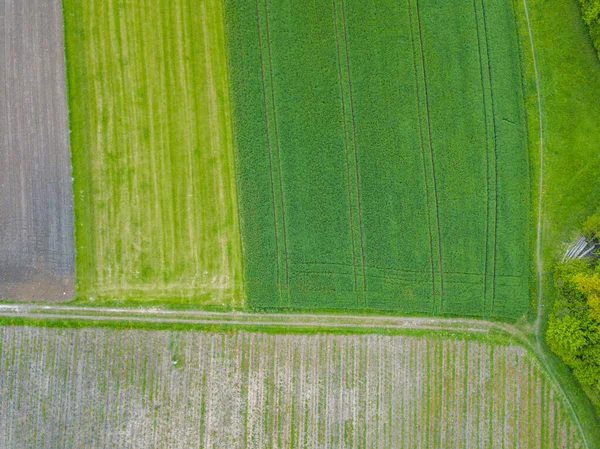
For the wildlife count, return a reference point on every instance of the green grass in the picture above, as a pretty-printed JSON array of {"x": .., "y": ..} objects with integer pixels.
[
  {"x": 382, "y": 156},
  {"x": 155, "y": 201},
  {"x": 569, "y": 72},
  {"x": 570, "y": 82}
]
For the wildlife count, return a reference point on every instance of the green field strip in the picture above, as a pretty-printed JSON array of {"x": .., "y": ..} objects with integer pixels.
[
  {"x": 315, "y": 204},
  {"x": 425, "y": 159},
  {"x": 354, "y": 160},
  {"x": 489, "y": 270},
  {"x": 387, "y": 136},
  {"x": 492, "y": 167},
  {"x": 458, "y": 142},
  {"x": 348, "y": 118},
  {"x": 152, "y": 152},
  {"x": 273, "y": 149},
  {"x": 429, "y": 160},
  {"x": 513, "y": 236}
]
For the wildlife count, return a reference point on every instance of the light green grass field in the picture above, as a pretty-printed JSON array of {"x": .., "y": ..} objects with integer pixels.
[
  {"x": 383, "y": 155},
  {"x": 569, "y": 72},
  {"x": 155, "y": 203}
]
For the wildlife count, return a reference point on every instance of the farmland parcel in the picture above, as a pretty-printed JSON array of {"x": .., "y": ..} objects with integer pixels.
[
  {"x": 152, "y": 152},
  {"x": 36, "y": 217},
  {"x": 383, "y": 155},
  {"x": 121, "y": 388}
]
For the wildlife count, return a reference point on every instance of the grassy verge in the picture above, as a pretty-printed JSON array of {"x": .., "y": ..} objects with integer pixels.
[
  {"x": 569, "y": 75},
  {"x": 495, "y": 336}
]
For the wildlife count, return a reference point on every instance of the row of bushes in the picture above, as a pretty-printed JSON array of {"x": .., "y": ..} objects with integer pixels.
[
  {"x": 590, "y": 10},
  {"x": 574, "y": 324}
]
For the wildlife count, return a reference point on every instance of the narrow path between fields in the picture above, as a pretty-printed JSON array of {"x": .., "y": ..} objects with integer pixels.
[
  {"x": 537, "y": 326},
  {"x": 538, "y": 242}
]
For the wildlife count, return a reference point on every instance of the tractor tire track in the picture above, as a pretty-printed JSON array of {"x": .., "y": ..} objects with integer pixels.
[
  {"x": 275, "y": 129},
  {"x": 357, "y": 177},
  {"x": 349, "y": 187},
  {"x": 431, "y": 154},
  {"x": 422, "y": 147},
  {"x": 272, "y": 183},
  {"x": 487, "y": 46},
  {"x": 487, "y": 186}
]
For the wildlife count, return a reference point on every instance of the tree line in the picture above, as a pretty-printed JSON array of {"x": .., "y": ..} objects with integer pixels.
[{"x": 574, "y": 324}]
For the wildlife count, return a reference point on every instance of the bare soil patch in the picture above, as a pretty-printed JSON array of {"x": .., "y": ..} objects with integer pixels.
[
  {"x": 139, "y": 388},
  {"x": 36, "y": 204}
]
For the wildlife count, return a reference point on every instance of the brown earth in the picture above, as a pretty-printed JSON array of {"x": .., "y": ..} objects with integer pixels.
[{"x": 36, "y": 204}]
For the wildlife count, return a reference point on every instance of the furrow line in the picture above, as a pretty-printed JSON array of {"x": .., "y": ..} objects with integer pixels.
[
  {"x": 422, "y": 146},
  {"x": 275, "y": 129},
  {"x": 272, "y": 184},
  {"x": 431, "y": 154},
  {"x": 495, "y": 153},
  {"x": 487, "y": 186},
  {"x": 349, "y": 188},
  {"x": 354, "y": 144}
]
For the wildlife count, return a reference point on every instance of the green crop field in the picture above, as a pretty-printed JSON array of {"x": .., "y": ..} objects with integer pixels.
[
  {"x": 383, "y": 155},
  {"x": 155, "y": 205},
  {"x": 138, "y": 388}
]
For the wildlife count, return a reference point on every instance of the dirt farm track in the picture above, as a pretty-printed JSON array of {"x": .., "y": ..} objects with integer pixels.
[{"x": 36, "y": 219}]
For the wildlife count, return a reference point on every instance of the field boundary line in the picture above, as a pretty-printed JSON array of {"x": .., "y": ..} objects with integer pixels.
[
  {"x": 275, "y": 129},
  {"x": 487, "y": 48},
  {"x": 251, "y": 318},
  {"x": 349, "y": 188},
  {"x": 357, "y": 177},
  {"x": 431, "y": 153},
  {"x": 266, "y": 117},
  {"x": 422, "y": 147}
]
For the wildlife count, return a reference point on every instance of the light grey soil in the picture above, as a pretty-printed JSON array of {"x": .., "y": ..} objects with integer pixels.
[
  {"x": 36, "y": 217},
  {"x": 96, "y": 388}
]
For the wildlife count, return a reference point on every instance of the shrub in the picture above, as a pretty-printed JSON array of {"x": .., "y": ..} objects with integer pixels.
[
  {"x": 591, "y": 226},
  {"x": 590, "y": 10}
]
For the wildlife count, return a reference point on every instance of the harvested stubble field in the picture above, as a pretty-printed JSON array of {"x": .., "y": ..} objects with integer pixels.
[
  {"x": 36, "y": 217},
  {"x": 383, "y": 155},
  {"x": 138, "y": 388},
  {"x": 152, "y": 152}
]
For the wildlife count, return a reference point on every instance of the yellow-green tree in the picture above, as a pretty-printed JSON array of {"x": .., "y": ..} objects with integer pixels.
[
  {"x": 590, "y": 286},
  {"x": 591, "y": 227}
]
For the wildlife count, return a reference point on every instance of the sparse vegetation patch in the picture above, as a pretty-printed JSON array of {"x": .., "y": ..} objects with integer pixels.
[
  {"x": 153, "y": 162},
  {"x": 139, "y": 388}
]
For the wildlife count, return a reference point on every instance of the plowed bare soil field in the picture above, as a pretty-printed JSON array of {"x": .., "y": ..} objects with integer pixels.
[
  {"x": 136, "y": 388},
  {"x": 383, "y": 155},
  {"x": 36, "y": 217},
  {"x": 152, "y": 151}
]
